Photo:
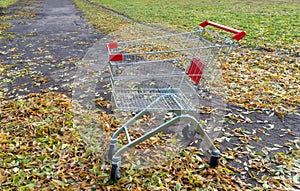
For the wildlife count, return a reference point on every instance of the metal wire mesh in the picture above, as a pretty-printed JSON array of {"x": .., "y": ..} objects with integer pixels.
[{"x": 152, "y": 72}]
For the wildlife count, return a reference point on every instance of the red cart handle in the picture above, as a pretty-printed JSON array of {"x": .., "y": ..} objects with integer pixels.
[{"x": 238, "y": 34}]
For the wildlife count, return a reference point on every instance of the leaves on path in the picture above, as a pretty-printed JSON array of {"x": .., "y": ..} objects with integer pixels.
[
  {"x": 41, "y": 148},
  {"x": 16, "y": 13},
  {"x": 258, "y": 79},
  {"x": 53, "y": 155}
]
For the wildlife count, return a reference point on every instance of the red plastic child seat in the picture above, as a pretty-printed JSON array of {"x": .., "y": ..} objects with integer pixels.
[{"x": 195, "y": 70}]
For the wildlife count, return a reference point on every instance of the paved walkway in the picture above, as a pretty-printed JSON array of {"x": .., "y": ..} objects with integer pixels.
[{"x": 47, "y": 48}]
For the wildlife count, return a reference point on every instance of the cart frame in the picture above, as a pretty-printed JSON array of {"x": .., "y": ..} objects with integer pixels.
[{"x": 184, "y": 111}]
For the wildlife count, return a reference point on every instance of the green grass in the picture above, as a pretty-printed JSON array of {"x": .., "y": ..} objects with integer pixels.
[
  {"x": 6, "y": 3},
  {"x": 100, "y": 19},
  {"x": 267, "y": 23}
]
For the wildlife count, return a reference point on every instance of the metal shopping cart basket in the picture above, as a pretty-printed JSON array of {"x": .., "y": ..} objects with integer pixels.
[{"x": 165, "y": 73}]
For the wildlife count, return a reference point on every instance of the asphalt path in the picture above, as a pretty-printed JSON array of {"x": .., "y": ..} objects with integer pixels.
[{"x": 46, "y": 48}]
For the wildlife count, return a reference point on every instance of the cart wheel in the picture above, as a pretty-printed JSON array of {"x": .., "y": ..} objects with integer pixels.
[
  {"x": 115, "y": 173},
  {"x": 188, "y": 132},
  {"x": 214, "y": 160}
]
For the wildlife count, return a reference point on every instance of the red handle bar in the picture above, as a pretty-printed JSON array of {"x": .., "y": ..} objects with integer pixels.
[{"x": 238, "y": 34}]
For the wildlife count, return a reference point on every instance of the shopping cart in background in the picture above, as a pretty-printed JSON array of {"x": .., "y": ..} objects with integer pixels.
[{"x": 166, "y": 73}]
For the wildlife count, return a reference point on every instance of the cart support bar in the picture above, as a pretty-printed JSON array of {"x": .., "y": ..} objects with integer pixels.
[
  {"x": 238, "y": 34},
  {"x": 116, "y": 157}
]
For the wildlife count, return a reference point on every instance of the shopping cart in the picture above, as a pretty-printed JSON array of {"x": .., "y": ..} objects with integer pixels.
[{"x": 166, "y": 73}]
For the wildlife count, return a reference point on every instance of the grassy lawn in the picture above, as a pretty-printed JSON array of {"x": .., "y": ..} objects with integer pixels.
[
  {"x": 268, "y": 23},
  {"x": 103, "y": 21},
  {"x": 6, "y": 3}
]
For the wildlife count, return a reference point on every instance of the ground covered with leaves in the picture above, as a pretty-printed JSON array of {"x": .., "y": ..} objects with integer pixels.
[
  {"x": 41, "y": 148},
  {"x": 42, "y": 145}
]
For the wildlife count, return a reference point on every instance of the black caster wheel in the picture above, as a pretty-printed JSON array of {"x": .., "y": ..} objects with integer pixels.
[
  {"x": 214, "y": 161},
  {"x": 115, "y": 173},
  {"x": 188, "y": 132}
]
